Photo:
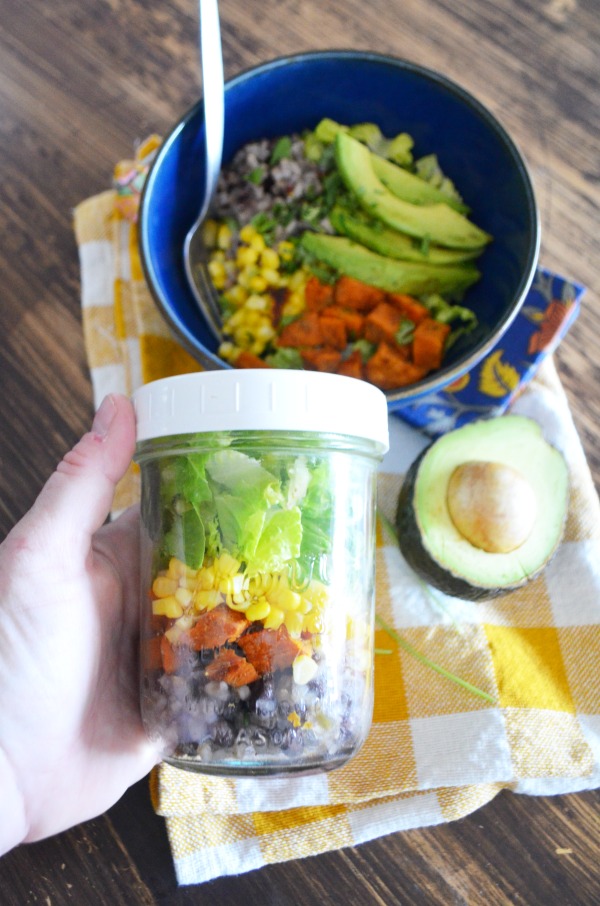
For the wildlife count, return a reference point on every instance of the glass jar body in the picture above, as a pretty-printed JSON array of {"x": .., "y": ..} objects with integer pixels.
[{"x": 257, "y": 599}]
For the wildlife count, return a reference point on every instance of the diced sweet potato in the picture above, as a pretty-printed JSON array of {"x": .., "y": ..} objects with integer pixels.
[
  {"x": 247, "y": 359},
  {"x": 270, "y": 649},
  {"x": 317, "y": 295},
  {"x": 216, "y": 627},
  {"x": 324, "y": 359},
  {"x": 387, "y": 368},
  {"x": 241, "y": 674},
  {"x": 151, "y": 654},
  {"x": 353, "y": 320},
  {"x": 428, "y": 343},
  {"x": 334, "y": 331},
  {"x": 382, "y": 323},
  {"x": 170, "y": 661},
  {"x": 351, "y": 293},
  {"x": 409, "y": 307},
  {"x": 231, "y": 668},
  {"x": 352, "y": 366},
  {"x": 175, "y": 658},
  {"x": 304, "y": 331}
]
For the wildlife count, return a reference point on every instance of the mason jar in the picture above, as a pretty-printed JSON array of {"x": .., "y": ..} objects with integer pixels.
[{"x": 257, "y": 579}]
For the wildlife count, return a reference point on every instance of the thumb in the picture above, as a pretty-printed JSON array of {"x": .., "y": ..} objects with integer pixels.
[{"x": 78, "y": 496}]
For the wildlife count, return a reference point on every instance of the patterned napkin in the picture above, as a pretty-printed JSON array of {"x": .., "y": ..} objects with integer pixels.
[{"x": 436, "y": 751}]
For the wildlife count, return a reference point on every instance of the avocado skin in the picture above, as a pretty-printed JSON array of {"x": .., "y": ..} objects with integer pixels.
[{"x": 419, "y": 559}]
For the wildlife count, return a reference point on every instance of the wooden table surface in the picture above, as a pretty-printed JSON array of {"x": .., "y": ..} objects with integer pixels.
[{"x": 79, "y": 83}]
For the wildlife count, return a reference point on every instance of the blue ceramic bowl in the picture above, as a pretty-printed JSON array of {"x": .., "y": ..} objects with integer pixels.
[{"x": 293, "y": 93}]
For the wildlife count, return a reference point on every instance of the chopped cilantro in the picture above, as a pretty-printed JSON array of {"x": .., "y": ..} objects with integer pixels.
[
  {"x": 256, "y": 176},
  {"x": 282, "y": 149},
  {"x": 405, "y": 332}
]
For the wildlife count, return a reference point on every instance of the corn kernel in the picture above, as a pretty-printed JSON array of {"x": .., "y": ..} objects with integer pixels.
[
  {"x": 226, "y": 585},
  {"x": 270, "y": 259},
  {"x": 236, "y": 319},
  {"x": 270, "y": 275},
  {"x": 257, "y": 242},
  {"x": 294, "y": 305},
  {"x": 288, "y": 599},
  {"x": 179, "y": 628},
  {"x": 285, "y": 249},
  {"x": 293, "y": 623},
  {"x": 265, "y": 332},
  {"x": 247, "y": 233},
  {"x": 227, "y": 565},
  {"x": 206, "y": 600},
  {"x": 237, "y": 295},
  {"x": 167, "y": 607},
  {"x": 313, "y": 623},
  {"x": 259, "y": 610},
  {"x": 303, "y": 669},
  {"x": 163, "y": 586},
  {"x": 234, "y": 605},
  {"x": 243, "y": 337},
  {"x": 177, "y": 569},
  {"x": 206, "y": 577},
  {"x": 228, "y": 351},
  {"x": 224, "y": 236},
  {"x": 246, "y": 256},
  {"x": 294, "y": 719},
  {"x": 274, "y": 619},
  {"x": 257, "y": 283},
  {"x": 257, "y": 303},
  {"x": 209, "y": 233},
  {"x": 297, "y": 280},
  {"x": 244, "y": 277},
  {"x": 217, "y": 272},
  {"x": 184, "y": 596}
]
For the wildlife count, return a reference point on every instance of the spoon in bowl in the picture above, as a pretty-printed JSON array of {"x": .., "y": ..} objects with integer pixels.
[{"x": 194, "y": 251}]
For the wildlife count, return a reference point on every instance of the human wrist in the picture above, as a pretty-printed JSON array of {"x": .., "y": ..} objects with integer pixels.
[{"x": 13, "y": 823}]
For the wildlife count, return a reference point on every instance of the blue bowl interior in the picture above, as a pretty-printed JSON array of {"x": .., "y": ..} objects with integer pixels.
[{"x": 294, "y": 93}]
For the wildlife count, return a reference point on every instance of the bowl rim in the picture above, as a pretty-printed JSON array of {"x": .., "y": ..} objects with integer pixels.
[{"x": 431, "y": 383}]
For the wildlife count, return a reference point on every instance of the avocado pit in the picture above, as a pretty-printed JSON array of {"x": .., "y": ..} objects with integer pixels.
[{"x": 492, "y": 505}]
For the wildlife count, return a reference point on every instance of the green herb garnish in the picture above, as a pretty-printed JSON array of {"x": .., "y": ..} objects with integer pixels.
[
  {"x": 410, "y": 649},
  {"x": 405, "y": 332},
  {"x": 282, "y": 148},
  {"x": 256, "y": 176}
]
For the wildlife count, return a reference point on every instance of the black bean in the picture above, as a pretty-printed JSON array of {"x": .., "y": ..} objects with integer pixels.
[{"x": 223, "y": 735}]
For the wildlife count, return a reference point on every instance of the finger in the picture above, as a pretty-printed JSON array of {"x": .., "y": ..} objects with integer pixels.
[{"x": 78, "y": 496}]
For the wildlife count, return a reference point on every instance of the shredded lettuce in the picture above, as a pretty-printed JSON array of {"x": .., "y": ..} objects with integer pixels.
[{"x": 270, "y": 513}]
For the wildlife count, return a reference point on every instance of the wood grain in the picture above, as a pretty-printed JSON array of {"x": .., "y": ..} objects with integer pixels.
[{"x": 79, "y": 83}]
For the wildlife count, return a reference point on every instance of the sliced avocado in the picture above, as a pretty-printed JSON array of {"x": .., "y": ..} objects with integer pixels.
[
  {"x": 482, "y": 511},
  {"x": 392, "y": 244},
  {"x": 409, "y": 187},
  {"x": 354, "y": 260},
  {"x": 437, "y": 223}
]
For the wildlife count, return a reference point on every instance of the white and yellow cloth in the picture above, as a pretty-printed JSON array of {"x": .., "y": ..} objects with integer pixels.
[{"x": 436, "y": 752}]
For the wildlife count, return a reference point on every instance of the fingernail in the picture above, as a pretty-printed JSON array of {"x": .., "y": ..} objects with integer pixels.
[{"x": 104, "y": 416}]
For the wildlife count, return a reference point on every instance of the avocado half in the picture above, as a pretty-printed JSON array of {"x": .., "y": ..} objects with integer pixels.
[{"x": 482, "y": 510}]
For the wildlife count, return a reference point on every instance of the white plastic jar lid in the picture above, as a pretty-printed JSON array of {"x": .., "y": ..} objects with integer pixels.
[{"x": 261, "y": 400}]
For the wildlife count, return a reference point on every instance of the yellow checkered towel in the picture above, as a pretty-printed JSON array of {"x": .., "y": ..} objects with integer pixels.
[{"x": 436, "y": 750}]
